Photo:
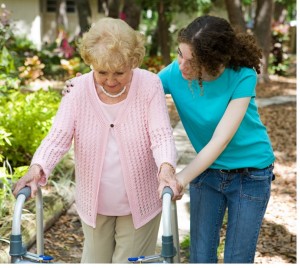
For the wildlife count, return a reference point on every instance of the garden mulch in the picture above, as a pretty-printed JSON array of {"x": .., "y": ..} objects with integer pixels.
[{"x": 277, "y": 241}]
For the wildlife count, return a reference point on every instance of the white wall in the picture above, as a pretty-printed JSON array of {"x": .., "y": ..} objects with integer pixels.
[
  {"x": 49, "y": 24},
  {"x": 35, "y": 23},
  {"x": 26, "y": 17}
]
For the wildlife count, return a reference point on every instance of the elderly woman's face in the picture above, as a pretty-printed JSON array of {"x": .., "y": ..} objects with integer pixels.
[{"x": 115, "y": 81}]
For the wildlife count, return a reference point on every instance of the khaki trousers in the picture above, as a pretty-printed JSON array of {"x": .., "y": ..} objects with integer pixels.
[{"x": 115, "y": 239}]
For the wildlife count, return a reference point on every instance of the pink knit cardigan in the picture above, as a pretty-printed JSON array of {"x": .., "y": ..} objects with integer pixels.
[{"x": 143, "y": 134}]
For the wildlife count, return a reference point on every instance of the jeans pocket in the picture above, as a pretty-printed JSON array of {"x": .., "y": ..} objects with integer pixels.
[{"x": 256, "y": 185}]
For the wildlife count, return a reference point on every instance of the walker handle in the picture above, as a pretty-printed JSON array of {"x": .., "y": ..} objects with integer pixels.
[
  {"x": 25, "y": 191},
  {"x": 167, "y": 190}
]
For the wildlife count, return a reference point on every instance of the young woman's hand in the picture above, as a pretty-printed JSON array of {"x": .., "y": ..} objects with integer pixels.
[{"x": 68, "y": 85}]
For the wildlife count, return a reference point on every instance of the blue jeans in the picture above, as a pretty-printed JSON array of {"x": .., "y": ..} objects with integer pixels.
[{"x": 245, "y": 195}]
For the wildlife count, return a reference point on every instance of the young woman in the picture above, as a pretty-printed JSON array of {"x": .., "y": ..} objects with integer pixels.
[{"x": 213, "y": 85}]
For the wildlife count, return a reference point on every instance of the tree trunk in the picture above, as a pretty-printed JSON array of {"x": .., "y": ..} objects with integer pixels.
[
  {"x": 153, "y": 50},
  {"x": 132, "y": 13},
  {"x": 279, "y": 12},
  {"x": 84, "y": 15},
  {"x": 113, "y": 8},
  {"x": 163, "y": 33},
  {"x": 235, "y": 14},
  {"x": 262, "y": 31}
]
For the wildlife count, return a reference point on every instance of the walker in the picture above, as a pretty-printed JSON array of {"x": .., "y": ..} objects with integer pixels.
[
  {"x": 169, "y": 252},
  {"x": 18, "y": 251}
]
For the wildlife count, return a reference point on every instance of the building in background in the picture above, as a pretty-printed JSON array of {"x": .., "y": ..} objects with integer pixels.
[{"x": 37, "y": 19}]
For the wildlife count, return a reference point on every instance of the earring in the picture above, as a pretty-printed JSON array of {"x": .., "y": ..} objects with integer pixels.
[
  {"x": 201, "y": 90},
  {"x": 201, "y": 87}
]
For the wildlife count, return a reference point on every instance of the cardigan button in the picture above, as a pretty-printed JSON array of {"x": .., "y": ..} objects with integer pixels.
[{"x": 111, "y": 125}]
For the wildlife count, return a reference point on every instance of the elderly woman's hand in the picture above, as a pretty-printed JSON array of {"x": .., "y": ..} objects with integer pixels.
[
  {"x": 68, "y": 85},
  {"x": 31, "y": 179},
  {"x": 167, "y": 178}
]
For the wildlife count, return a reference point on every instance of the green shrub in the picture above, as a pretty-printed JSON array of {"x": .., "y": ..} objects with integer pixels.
[
  {"x": 8, "y": 73},
  {"x": 28, "y": 117},
  {"x": 185, "y": 246},
  {"x": 7, "y": 176}
]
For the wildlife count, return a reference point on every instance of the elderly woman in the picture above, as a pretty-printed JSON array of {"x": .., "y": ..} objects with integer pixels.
[{"x": 124, "y": 148}]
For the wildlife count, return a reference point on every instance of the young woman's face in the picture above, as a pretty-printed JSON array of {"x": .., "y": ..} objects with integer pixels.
[
  {"x": 186, "y": 62},
  {"x": 115, "y": 81}
]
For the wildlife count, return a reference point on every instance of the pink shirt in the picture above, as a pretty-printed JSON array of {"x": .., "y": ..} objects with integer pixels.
[
  {"x": 112, "y": 179},
  {"x": 143, "y": 134}
]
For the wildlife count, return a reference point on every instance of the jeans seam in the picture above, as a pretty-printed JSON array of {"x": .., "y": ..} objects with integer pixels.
[
  {"x": 235, "y": 236},
  {"x": 262, "y": 212}
]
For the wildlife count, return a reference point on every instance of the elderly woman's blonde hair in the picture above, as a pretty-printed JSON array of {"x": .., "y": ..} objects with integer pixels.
[{"x": 111, "y": 44}]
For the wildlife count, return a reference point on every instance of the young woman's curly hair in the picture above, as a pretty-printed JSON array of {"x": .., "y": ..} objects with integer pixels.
[{"x": 214, "y": 43}]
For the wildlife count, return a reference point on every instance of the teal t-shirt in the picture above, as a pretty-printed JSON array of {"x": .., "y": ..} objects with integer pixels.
[{"x": 200, "y": 115}]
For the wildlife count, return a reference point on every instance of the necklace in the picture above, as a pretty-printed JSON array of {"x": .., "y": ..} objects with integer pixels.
[{"x": 111, "y": 95}]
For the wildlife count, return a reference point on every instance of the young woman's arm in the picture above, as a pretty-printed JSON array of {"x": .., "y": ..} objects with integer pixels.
[{"x": 223, "y": 134}]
